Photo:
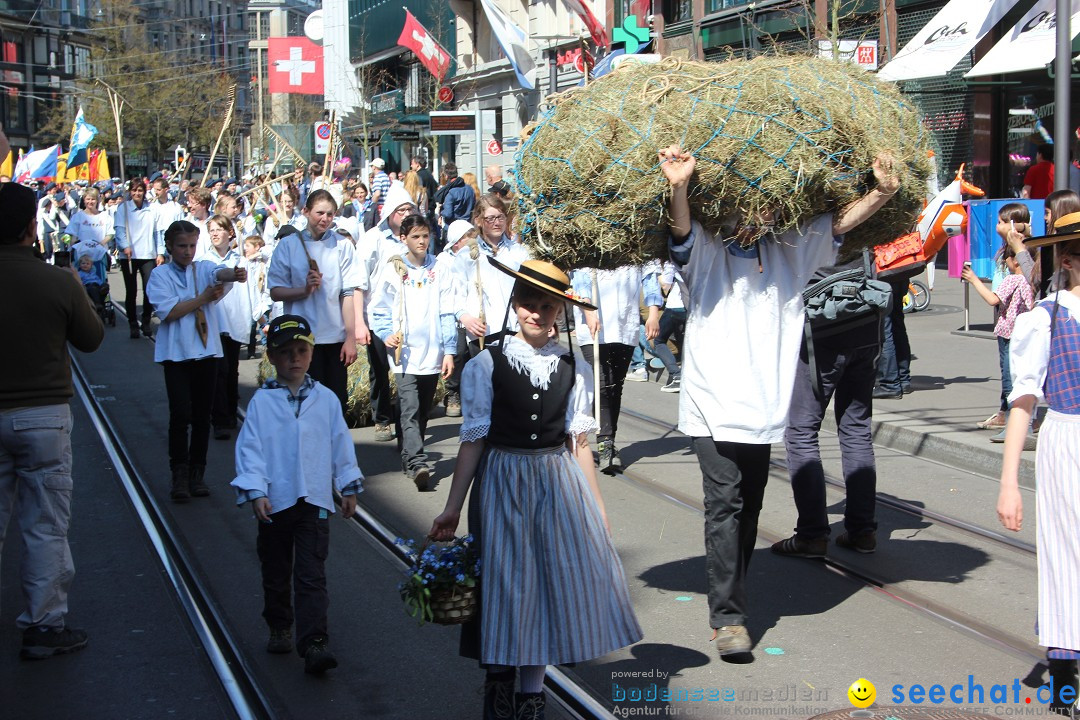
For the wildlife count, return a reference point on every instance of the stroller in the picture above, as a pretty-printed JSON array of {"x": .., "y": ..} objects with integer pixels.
[{"x": 101, "y": 298}]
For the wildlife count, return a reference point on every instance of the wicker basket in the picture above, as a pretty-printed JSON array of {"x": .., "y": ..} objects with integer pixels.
[{"x": 454, "y": 606}]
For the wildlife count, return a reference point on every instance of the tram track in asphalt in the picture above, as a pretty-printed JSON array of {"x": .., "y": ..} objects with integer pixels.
[
  {"x": 573, "y": 699},
  {"x": 941, "y": 519}
]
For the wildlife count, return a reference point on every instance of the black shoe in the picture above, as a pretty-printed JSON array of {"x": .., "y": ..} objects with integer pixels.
[
  {"x": 317, "y": 659},
  {"x": 134, "y": 332},
  {"x": 196, "y": 482},
  {"x": 181, "y": 479},
  {"x": 499, "y": 696},
  {"x": 906, "y": 387},
  {"x": 796, "y": 546},
  {"x": 865, "y": 543},
  {"x": 280, "y": 641},
  {"x": 608, "y": 460},
  {"x": 221, "y": 433},
  {"x": 420, "y": 475},
  {"x": 880, "y": 394},
  {"x": 529, "y": 706},
  {"x": 39, "y": 643}
]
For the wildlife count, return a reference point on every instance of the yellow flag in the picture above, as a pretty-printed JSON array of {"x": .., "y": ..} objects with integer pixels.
[
  {"x": 8, "y": 164},
  {"x": 103, "y": 166}
]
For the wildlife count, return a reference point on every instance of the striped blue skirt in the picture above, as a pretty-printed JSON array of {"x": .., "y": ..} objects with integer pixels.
[{"x": 553, "y": 589}]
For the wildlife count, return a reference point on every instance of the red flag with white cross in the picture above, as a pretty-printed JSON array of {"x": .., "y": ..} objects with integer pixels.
[
  {"x": 295, "y": 66},
  {"x": 432, "y": 55}
]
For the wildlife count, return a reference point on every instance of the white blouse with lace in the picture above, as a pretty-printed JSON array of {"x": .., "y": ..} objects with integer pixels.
[
  {"x": 1029, "y": 348},
  {"x": 476, "y": 388}
]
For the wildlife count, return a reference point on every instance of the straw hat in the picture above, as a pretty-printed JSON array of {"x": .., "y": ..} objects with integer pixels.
[
  {"x": 544, "y": 276},
  {"x": 1067, "y": 227}
]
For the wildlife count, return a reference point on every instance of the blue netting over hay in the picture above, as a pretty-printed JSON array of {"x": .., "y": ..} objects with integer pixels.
[{"x": 789, "y": 133}]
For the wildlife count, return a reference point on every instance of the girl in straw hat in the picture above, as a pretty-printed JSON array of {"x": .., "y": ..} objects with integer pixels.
[
  {"x": 536, "y": 505},
  {"x": 1043, "y": 358}
]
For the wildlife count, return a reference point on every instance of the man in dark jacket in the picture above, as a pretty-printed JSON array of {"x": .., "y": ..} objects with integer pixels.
[
  {"x": 431, "y": 188},
  {"x": 35, "y": 421},
  {"x": 457, "y": 198}
]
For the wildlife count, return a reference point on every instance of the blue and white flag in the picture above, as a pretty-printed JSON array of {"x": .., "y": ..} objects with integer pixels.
[
  {"x": 37, "y": 165},
  {"x": 513, "y": 42},
  {"x": 82, "y": 133}
]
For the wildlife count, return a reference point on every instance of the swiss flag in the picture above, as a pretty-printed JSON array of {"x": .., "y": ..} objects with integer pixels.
[
  {"x": 295, "y": 65},
  {"x": 433, "y": 55}
]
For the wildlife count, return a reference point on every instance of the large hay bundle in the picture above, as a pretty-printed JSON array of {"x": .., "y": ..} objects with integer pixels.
[
  {"x": 790, "y": 133},
  {"x": 358, "y": 404}
]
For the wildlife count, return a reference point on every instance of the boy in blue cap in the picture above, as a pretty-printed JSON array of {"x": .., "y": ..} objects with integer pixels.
[{"x": 293, "y": 451}]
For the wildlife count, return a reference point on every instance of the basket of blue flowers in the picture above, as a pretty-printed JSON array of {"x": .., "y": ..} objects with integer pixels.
[{"x": 441, "y": 583}]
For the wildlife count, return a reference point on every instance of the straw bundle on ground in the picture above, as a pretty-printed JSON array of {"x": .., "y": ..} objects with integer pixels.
[
  {"x": 793, "y": 134},
  {"x": 358, "y": 405}
]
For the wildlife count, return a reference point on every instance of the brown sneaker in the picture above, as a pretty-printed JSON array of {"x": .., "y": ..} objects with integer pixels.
[
  {"x": 453, "y": 405},
  {"x": 383, "y": 433},
  {"x": 732, "y": 640},
  {"x": 865, "y": 543},
  {"x": 796, "y": 546}
]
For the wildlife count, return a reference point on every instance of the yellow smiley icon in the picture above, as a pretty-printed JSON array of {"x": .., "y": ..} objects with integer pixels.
[{"x": 862, "y": 693}]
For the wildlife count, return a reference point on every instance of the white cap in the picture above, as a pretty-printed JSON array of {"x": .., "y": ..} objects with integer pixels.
[
  {"x": 457, "y": 230},
  {"x": 378, "y": 162}
]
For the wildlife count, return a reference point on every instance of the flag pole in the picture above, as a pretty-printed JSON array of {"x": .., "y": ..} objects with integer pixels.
[{"x": 116, "y": 104}]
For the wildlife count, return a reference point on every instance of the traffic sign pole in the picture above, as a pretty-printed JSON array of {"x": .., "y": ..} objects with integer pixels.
[{"x": 479, "y": 149}]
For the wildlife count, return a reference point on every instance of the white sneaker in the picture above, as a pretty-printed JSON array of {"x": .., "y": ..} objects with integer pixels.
[{"x": 638, "y": 375}]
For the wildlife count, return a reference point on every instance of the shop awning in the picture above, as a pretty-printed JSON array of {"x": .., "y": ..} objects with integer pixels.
[
  {"x": 1030, "y": 45},
  {"x": 953, "y": 32}
]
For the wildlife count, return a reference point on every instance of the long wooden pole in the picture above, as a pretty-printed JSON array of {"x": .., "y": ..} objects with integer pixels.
[
  {"x": 116, "y": 104},
  {"x": 269, "y": 182},
  {"x": 329, "y": 159},
  {"x": 224, "y": 126},
  {"x": 596, "y": 352}
]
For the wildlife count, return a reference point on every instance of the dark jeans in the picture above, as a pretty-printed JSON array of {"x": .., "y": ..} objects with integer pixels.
[
  {"x": 190, "y": 387},
  {"x": 733, "y": 476},
  {"x": 415, "y": 395},
  {"x": 848, "y": 375},
  {"x": 130, "y": 268},
  {"x": 894, "y": 365},
  {"x": 227, "y": 389},
  {"x": 96, "y": 296},
  {"x": 292, "y": 551},
  {"x": 1006, "y": 372},
  {"x": 614, "y": 362},
  {"x": 379, "y": 377},
  {"x": 461, "y": 356},
  {"x": 672, "y": 324},
  {"x": 327, "y": 368}
]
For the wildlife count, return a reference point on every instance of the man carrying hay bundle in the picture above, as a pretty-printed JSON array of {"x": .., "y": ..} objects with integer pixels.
[{"x": 743, "y": 331}]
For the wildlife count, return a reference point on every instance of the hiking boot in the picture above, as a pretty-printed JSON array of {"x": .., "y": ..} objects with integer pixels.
[
  {"x": 39, "y": 643},
  {"x": 529, "y": 706},
  {"x": 732, "y": 640},
  {"x": 499, "y": 696},
  {"x": 196, "y": 483},
  {"x": 796, "y": 546},
  {"x": 608, "y": 460},
  {"x": 672, "y": 385},
  {"x": 318, "y": 659},
  {"x": 420, "y": 475},
  {"x": 383, "y": 433},
  {"x": 181, "y": 478},
  {"x": 280, "y": 641},
  {"x": 453, "y": 405},
  {"x": 865, "y": 543}
]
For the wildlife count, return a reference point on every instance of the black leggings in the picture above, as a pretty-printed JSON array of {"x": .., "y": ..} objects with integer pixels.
[
  {"x": 129, "y": 268},
  {"x": 614, "y": 362},
  {"x": 190, "y": 387},
  {"x": 327, "y": 368}
]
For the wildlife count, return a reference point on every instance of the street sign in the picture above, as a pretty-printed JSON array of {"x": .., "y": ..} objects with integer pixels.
[
  {"x": 404, "y": 135},
  {"x": 446, "y": 94},
  {"x": 449, "y": 122},
  {"x": 322, "y": 138},
  {"x": 493, "y": 148}
]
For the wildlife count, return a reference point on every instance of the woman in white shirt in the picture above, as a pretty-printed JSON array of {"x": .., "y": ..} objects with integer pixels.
[
  {"x": 314, "y": 274},
  {"x": 90, "y": 225}
]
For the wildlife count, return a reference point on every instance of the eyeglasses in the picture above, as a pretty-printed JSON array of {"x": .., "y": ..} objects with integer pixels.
[{"x": 494, "y": 218}]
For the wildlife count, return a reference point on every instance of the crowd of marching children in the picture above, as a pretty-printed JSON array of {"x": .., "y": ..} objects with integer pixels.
[{"x": 428, "y": 280}]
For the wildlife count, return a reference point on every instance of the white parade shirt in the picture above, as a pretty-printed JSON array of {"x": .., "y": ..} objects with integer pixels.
[
  {"x": 619, "y": 302},
  {"x": 178, "y": 340},
  {"x": 744, "y": 328},
  {"x": 137, "y": 228},
  {"x": 166, "y": 213},
  {"x": 1029, "y": 347},
  {"x": 234, "y": 310},
  {"x": 426, "y": 318},
  {"x": 498, "y": 286},
  {"x": 85, "y": 227},
  {"x": 285, "y": 456},
  {"x": 335, "y": 257}
]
